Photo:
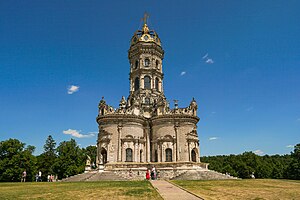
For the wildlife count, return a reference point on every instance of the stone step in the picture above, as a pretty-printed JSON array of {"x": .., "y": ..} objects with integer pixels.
[
  {"x": 202, "y": 175},
  {"x": 106, "y": 175}
]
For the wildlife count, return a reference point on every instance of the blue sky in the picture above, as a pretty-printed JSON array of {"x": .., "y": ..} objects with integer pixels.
[{"x": 239, "y": 59}]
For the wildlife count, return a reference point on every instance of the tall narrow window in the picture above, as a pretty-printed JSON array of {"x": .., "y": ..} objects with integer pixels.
[
  {"x": 157, "y": 64},
  {"x": 128, "y": 155},
  {"x": 136, "y": 64},
  {"x": 156, "y": 84},
  {"x": 136, "y": 83},
  {"x": 147, "y": 82},
  {"x": 193, "y": 155},
  {"x": 141, "y": 155},
  {"x": 147, "y": 62},
  {"x": 168, "y": 155}
]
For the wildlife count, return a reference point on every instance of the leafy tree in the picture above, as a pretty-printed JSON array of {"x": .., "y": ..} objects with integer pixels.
[
  {"x": 293, "y": 170},
  {"x": 70, "y": 160},
  {"x": 14, "y": 159},
  {"x": 47, "y": 158}
]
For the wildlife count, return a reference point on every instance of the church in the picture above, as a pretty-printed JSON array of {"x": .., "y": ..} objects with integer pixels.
[{"x": 144, "y": 130}]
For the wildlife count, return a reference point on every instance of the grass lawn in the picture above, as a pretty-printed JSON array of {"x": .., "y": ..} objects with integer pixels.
[
  {"x": 244, "y": 189},
  {"x": 79, "y": 190}
]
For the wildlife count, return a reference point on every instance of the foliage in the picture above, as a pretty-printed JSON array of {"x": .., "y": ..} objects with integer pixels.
[
  {"x": 47, "y": 158},
  {"x": 293, "y": 171},
  {"x": 14, "y": 159},
  {"x": 245, "y": 164},
  {"x": 70, "y": 160}
]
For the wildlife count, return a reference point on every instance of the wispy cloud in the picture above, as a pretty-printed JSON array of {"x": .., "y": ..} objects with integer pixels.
[
  {"x": 205, "y": 56},
  {"x": 77, "y": 134},
  {"x": 209, "y": 61},
  {"x": 249, "y": 108},
  {"x": 258, "y": 152},
  {"x": 72, "y": 89},
  {"x": 182, "y": 73},
  {"x": 213, "y": 138},
  {"x": 290, "y": 146}
]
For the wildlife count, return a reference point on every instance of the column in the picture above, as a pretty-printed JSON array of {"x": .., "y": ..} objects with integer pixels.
[{"x": 119, "y": 156}]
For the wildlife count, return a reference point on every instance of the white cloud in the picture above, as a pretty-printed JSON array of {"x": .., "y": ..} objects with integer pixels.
[
  {"x": 182, "y": 73},
  {"x": 258, "y": 152},
  {"x": 205, "y": 56},
  {"x": 213, "y": 138},
  {"x": 72, "y": 89},
  {"x": 209, "y": 61},
  {"x": 77, "y": 134},
  {"x": 249, "y": 108},
  {"x": 290, "y": 146}
]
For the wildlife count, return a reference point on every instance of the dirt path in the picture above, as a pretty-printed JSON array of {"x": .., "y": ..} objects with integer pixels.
[{"x": 170, "y": 192}]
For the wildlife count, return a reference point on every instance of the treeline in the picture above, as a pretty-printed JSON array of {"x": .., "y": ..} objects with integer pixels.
[
  {"x": 64, "y": 160},
  {"x": 249, "y": 165}
]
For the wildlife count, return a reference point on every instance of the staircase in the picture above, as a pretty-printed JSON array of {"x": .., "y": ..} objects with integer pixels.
[
  {"x": 80, "y": 177},
  {"x": 105, "y": 176},
  {"x": 202, "y": 175}
]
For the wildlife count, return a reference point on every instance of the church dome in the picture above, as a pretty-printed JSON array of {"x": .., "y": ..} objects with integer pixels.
[{"x": 145, "y": 35}]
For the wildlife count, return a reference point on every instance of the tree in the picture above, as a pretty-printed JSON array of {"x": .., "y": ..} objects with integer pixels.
[
  {"x": 14, "y": 159},
  {"x": 293, "y": 170},
  {"x": 47, "y": 158},
  {"x": 70, "y": 160}
]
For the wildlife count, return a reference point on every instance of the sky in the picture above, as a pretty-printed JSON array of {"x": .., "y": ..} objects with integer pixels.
[{"x": 240, "y": 60}]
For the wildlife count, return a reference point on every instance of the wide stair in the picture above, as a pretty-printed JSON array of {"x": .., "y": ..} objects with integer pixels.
[
  {"x": 106, "y": 176},
  {"x": 79, "y": 177},
  {"x": 202, "y": 175}
]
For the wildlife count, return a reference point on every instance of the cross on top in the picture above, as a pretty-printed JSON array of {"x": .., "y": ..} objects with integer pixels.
[{"x": 145, "y": 18}]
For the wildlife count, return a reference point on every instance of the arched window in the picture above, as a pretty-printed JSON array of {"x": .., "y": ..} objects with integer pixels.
[
  {"x": 194, "y": 156},
  {"x": 128, "y": 155},
  {"x": 104, "y": 156},
  {"x": 156, "y": 84},
  {"x": 147, "y": 82},
  {"x": 136, "y": 84},
  {"x": 157, "y": 64},
  {"x": 147, "y": 62},
  {"x": 136, "y": 64},
  {"x": 168, "y": 155}
]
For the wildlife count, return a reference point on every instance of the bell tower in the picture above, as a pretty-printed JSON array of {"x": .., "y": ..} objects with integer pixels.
[{"x": 146, "y": 75}]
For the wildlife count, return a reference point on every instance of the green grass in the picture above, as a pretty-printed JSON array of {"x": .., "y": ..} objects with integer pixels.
[
  {"x": 258, "y": 189},
  {"x": 79, "y": 190}
]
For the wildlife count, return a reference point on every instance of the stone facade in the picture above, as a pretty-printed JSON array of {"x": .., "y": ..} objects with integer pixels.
[{"x": 143, "y": 129}]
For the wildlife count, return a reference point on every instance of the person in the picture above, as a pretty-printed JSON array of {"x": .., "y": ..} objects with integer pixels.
[
  {"x": 48, "y": 178},
  {"x": 148, "y": 174},
  {"x": 40, "y": 176},
  {"x": 157, "y": 175},
  {"x": 36, "y": 177},
  {"x": 153, "y": 173},
  {"x": 24, "y": 174}
]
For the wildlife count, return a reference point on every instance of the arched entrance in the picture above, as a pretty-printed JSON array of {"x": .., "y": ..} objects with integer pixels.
[
  {"x": 104, "y": 155},
  {"x": 194, "y": 155},
  {"x": 128, "y": 155},
  {"x": 168, "y": 155}
]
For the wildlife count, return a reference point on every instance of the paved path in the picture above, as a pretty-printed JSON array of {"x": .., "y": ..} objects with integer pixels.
[{"x": 170, "y": 191}]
